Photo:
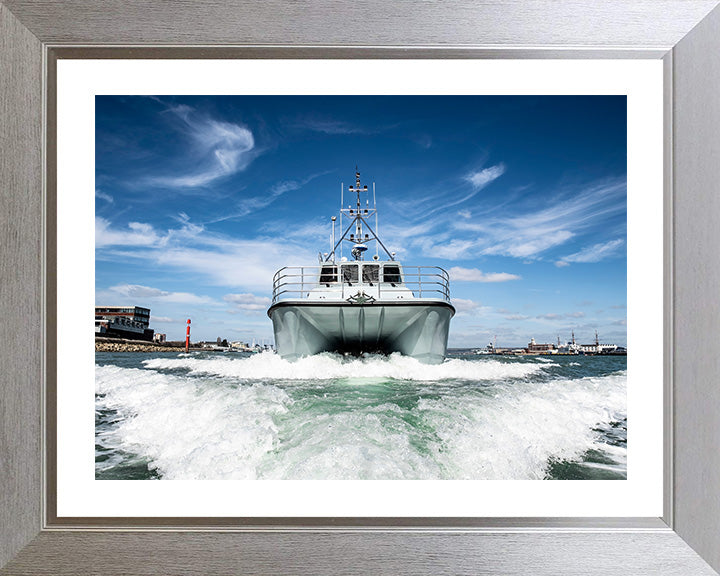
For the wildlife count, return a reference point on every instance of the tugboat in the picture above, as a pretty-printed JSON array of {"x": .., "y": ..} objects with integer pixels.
[{"x": 358, "y": 305}]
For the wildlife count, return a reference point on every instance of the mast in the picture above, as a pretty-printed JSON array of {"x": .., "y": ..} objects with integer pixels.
[
  {"x": 332, "y": 254},
  {"x": 359, "y": 217},
  {"x": 377, "y": 226},
  {"x": 358, "y": 221}
]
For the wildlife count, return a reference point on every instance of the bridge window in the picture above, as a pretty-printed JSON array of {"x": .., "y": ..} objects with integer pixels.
[
  {"x": 328, "y": 274},
  {"x": 349, "y": 273},
  {"x": 391, "y": 274},
  {"x": 370, "y": 273}
]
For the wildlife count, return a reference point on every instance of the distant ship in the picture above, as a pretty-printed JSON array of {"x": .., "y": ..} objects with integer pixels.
[{"x": 358, "y": 306}]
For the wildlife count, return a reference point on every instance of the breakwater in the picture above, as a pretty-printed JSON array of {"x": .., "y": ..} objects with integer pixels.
[{"x": 123, "y": 345}]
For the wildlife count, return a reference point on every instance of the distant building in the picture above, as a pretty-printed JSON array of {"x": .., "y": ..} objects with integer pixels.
[
  {"x": 535, "y": 347},
  {"x": 247, "y": 347},
  {"x": 571, "y": 347},
  {"x": 131, "y": 322},
  {"x": 598, "y": 348},
  {"x": 160, "y": 337}
]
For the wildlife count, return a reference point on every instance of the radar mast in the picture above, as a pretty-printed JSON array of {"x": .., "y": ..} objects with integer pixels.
[{"x": 358, "y": 218}]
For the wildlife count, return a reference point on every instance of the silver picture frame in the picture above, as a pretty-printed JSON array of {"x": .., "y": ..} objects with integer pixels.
[{"x": 685, "y": 34}]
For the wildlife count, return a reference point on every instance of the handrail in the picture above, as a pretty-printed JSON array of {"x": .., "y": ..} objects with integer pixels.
[{"x": 298, "y": 282}]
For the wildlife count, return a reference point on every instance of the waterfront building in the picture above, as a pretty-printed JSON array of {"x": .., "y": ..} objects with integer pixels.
[
  {"x": 131, "y": 322},
  {"x": 571, "y": 347},
  {"x": 597, "y": 347},
  {"x": 544, "y": 348}
]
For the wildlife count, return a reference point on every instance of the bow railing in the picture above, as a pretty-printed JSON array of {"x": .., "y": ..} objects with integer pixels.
[{"x": 342, "y": 280}]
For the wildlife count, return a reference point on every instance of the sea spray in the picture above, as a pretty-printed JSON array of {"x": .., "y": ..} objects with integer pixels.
[
  {"x": 332, "y": 366},
  {"x": 234, "y": 416}
]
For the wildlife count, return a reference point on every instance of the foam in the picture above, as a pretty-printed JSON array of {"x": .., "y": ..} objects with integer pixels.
[
  {"x": 267, "y": 365},
  {"x": 191, "y": 430},
  {"x": 227, "y": 419},
  {"x": 526, "y": 425}
]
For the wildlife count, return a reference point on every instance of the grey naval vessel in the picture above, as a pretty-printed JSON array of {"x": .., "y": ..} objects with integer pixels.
[{"x": 361, "y": 305}]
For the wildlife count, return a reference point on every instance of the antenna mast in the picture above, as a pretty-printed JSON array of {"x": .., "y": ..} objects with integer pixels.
[{"x": 359, "y": 221}]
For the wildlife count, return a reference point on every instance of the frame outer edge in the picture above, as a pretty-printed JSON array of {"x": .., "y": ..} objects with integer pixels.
[
  {"x": 20, "y": 284},
  {"x": 579, "y": 23},
  {"x": 696, "y": 121},
  {"x": 20, "y": 169},
  {"x": 66, "y": 553}
]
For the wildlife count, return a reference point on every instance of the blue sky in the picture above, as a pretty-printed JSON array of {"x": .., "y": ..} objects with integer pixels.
[{"x": 199, "y": 200}]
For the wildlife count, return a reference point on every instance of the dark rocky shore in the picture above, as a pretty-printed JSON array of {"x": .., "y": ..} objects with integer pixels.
[{"x": 122, "y": 345}]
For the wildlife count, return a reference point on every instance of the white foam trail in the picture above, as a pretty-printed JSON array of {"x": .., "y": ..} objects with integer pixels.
[
  {"x": 268, "y": 365},
  {"x": 188, "y": 429},
  {"x": 525, "y": 426},
  {"x": 217, "y": 427}
]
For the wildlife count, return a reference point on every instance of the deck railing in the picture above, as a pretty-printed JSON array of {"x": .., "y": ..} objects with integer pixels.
[{"x": 297, "y": 282}]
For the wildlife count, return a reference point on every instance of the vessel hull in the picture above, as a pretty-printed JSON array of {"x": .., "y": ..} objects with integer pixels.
[{"x": 417, "y": 329}]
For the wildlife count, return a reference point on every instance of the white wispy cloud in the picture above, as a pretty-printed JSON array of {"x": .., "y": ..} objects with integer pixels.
[
  {"x": 246, "y": 263},
  {"x": 478, "y": 180},
  {"x": 103, "y": 195},
  {"x": 516, "y": 317},
  {"x": 437, "y": 247},
  {"x": 137, "y": 292},
  {"x": 549, "y": 316},
  {"x": 528, "y": 235},
  {"x": 459, "y": 274},
  {"x": 140, "y": 234},
  {"x": 528, "y": 243},
  {"x": 578, "y": 314},
  {"x": 316, "y": 233},
  {"x": 594, "y": 253},
  {"x": 330, "y": 126},
  {"x": 481, "y": 178},
  {"x": 135, "y": 234},
  {"x": 250, "y": 205},
  {"x": 219, "y": 149},
  {"x": 555, "y": 316},
  {"x": 464, "y": 306},
  {"x": 218, "y": 259},
  {"x": 248, "y": 301}
]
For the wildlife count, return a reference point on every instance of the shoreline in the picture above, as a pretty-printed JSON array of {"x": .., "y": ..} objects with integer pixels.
[{"x": 123, "y": 345}]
